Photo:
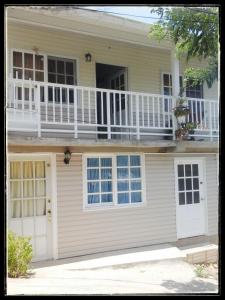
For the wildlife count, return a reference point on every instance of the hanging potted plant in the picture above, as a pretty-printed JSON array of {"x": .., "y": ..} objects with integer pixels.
[
  {"x": 181, "y": 110},
  {"x": 184, "y": 129}
]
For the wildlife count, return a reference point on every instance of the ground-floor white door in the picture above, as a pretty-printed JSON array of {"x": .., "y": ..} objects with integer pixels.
[
  {"x": 190, "y": 198},
  {"x": 29, "y": 202}
]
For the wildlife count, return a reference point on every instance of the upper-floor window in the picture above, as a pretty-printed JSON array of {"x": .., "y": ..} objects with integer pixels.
[
  {"x": 190, "y": 91},
  {"x": 28, "y": 66},
  {"x": 61, "y": 70}
]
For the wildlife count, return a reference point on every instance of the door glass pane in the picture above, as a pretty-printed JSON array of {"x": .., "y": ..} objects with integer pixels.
[
  {"x": 196, "y": 197},
  {"x": 17, "y": 73},
  {"x": 28, "y": 208},
  {"x": 28, "y": 60},
  {"x": 106, "y": 198},
  {"x": 40, "y": 169},
  {"x": 40, "y": 188},
  {"x": 123, "y": 198},
  {"x": 189, "y": 197},
  {"x": 166, "y": 79},
  {"x": 181, "y": 198},
  {"x": 17, "y": 59},
  {"x": 15, "y": 189},
  {"x": 28, "y": 74},
  {"x": 16, "y": 211},
  {"x": 15, "y": 170},
  {"x": 195, "y": 170},
  {"x": 187, "y": 170},
  {"x": 28, "y": 188},
  {"x": 39, "y": 62},
  {"x": 181, "y": 184},
  {"x": 188, "y": 184},
  {"x": 39, "y": 76},
  {"x": 28, "y": 169},
  {"x": 195, "y": 183},
  {"x": 41, "y": 207},
  {"x": 180, "y": 171}
]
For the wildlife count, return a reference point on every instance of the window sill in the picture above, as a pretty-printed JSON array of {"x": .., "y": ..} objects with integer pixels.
[{"x": 113, "y": 206}]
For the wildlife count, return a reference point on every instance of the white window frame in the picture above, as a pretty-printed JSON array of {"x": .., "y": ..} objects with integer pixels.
[
  {"x": 46, "y": 55},
  {"x": 114, "y": 204},
  {"x": 182, "y": 76}
]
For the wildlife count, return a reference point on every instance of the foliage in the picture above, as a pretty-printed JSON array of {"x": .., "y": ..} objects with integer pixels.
[
  {"x": 19, "y": 254},
  {"x": 181, "y": 109},
  {"x": 184, "y": 129},
  {"x": 200, "y": 271},
  {"x": 195, "y": 33}
]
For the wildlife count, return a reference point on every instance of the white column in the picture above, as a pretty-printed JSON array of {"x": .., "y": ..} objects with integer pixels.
[
  {"x": 175, "y": 86},
  {"x": 175, "y": 74}
]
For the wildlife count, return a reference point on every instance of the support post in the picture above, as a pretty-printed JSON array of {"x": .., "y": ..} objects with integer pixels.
[
  {"x": 75, "y": 113},
  {"x": 108, "y": 116},
  {"x": 38, "y": 109},
  {"x": 175, "y": 86}
]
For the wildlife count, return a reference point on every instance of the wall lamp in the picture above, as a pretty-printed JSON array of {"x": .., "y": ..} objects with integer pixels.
[
  {"x": 88, "y": 57},
  {"x": 67, "y": 156}
]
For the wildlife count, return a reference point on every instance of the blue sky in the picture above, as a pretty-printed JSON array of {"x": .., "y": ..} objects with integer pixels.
[{"x": 131, "y": 10}]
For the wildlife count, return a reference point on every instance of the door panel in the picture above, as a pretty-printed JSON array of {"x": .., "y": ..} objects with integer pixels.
[
  {"x": 28, "y": 204},
  {"x": 190, "y": 198}
]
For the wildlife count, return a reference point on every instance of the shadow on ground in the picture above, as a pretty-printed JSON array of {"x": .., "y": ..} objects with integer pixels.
[{"x": 194, "y": 286}]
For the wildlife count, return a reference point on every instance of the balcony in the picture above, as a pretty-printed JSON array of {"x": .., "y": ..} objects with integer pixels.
[{"x": 56, "y": 110}]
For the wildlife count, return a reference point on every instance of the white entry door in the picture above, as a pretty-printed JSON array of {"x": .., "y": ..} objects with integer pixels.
[
  {"x": 190, "y": 198},
  {"x": 29, "y": 206}
]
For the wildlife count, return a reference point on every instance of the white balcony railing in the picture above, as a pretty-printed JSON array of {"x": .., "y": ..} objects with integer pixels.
[{"x": 83, "y": 111}]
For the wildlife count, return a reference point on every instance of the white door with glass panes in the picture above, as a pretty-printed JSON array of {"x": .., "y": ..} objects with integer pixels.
[
  {"x": 190, "y": 198},
  {"x": 29, "y": 203}
]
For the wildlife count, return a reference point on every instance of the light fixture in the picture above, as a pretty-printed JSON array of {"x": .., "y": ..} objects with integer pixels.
[
  {"x": 67, "y": 156},
  {"x": 88, "y": 57}
]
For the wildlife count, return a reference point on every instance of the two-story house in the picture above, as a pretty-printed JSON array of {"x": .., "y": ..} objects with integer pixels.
[{"x": 93, "y": 164}]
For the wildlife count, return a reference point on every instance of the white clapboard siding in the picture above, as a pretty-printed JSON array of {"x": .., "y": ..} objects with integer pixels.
[
  {"x": 145, "y": 64},
  {"x": 83, "y": 232}
]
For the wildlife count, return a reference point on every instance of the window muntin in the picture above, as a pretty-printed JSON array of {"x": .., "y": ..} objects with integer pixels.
[
  {"x": 188, "y": 183},
  {"x": 27, "y": 189},
  {"x": 114, "y": 180},
  {"x": 99, "y": 180}
]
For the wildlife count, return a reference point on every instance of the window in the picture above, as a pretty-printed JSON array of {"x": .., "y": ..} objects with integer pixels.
[
  {"x": 114, "y": 180},
  {"x": 61, "y": 70},
  {"x": 191, "y": 92},
  {"x": 27, "y": 189},
  {"x": 194, "y": 91},
  {"x": 99, "y": 180},
  {"x": 28, "y": 66},
  {"x": 128, "y": 179}
]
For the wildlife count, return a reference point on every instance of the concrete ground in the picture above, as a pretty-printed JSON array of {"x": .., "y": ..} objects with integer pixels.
[{"x": 137, "y": 271}]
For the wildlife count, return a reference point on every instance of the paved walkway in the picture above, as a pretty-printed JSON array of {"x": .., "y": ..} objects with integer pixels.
[{"x": 124, "y": 272}]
